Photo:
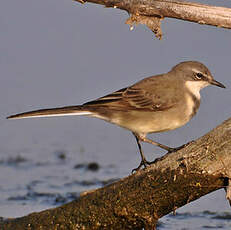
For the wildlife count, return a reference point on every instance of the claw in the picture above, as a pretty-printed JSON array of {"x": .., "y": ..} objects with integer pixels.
[
  {"x": 142, "y": 163},
  {"x": 171, "y": 150}
]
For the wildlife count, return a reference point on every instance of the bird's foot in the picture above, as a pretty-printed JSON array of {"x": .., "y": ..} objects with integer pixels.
[
  {"x": 171, "y": 150},
  {"x": 144, "y": 163}
]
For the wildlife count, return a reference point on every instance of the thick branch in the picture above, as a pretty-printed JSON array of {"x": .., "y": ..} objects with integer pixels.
[
  {"x": 140, "y": 199},
  {"x": 151, "y": 9}
]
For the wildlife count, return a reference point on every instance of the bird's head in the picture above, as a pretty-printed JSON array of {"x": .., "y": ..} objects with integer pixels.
[{"x": 195, "y": 76}]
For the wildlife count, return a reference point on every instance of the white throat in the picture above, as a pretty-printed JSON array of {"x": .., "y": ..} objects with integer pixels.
[{"x": 194, "y": 87}]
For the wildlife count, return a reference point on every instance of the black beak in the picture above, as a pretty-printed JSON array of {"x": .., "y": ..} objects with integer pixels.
[{"x": 217, "y": 83}]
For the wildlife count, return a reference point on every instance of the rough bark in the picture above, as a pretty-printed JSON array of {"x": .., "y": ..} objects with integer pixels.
[
  {"x": 139, "y": 200},
  {"x": 151, "y": 12}
]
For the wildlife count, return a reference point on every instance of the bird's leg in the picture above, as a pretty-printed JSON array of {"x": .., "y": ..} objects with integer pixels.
[
  {"x": 182, "y": 146},
  {"x": 143, "y": 162},
  {"x": 169, "y": 149}
]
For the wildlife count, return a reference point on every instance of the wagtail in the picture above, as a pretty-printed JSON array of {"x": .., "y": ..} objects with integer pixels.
[{"x": 155, "y": 104}]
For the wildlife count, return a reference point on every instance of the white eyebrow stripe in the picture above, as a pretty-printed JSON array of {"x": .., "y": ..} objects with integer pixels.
[{"x": 196, "y": 70}]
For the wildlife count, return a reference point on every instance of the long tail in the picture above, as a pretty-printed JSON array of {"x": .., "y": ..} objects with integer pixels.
[{"x": 53, "y": 112}]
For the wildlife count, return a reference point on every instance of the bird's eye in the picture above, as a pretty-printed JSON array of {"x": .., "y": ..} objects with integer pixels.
[{"x": 199, "y": 76}]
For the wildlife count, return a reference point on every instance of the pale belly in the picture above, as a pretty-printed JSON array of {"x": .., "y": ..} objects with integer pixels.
[{"x": 151, "y": 122}]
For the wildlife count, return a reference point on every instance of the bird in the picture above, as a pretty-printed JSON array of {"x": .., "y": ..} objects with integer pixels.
[{"x": 154, "y": 104}]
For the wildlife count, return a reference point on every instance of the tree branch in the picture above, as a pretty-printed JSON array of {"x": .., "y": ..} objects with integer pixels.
[
  {"x": 139, "y": 200},
  {"x": 151, "y": 12}
]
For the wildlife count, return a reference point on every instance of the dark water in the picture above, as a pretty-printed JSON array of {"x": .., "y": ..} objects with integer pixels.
[{"x": 28, "y": 185}]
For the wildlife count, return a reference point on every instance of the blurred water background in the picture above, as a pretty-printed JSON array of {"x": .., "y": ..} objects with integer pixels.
[{"x": 55, "y": 53}]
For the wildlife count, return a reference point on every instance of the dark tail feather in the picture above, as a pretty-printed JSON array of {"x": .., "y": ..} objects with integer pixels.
[{"x": 53, "y": 112}]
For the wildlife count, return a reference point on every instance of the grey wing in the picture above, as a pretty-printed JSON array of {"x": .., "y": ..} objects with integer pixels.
[
  {"x": 108, "y": 99},
  {"x": 154, "y": 93},
  {"x": 138, "y": 96},
  {"x": 144, "y": 99},
  {"x": 129, "y": 97}
]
